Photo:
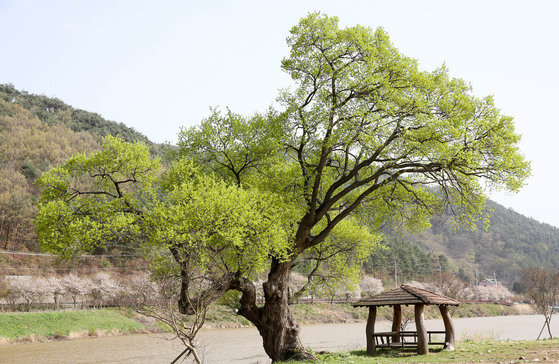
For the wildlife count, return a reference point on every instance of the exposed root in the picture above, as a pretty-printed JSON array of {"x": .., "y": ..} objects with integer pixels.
[{"x": 299, "y": 355}]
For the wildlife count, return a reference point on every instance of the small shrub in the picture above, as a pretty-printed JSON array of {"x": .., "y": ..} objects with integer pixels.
[
  {"x": 105, "y": 263},
  {"x": 58, "y": 334}
]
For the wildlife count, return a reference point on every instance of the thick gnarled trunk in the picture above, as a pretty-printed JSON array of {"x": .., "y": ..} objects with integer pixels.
[
  {"x": 279, "y": 330},
  {"x": 274, "y": 321}
]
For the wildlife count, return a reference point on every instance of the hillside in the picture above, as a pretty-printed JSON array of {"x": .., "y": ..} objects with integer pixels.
[
  {"x": 510, "y": 243},
  {"x": 36, "y": 133}
]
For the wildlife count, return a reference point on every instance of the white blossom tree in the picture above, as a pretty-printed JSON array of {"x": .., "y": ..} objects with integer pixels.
[
  {"x": 32, "y": 290},
  {"x": 74, "y": 286},
  {"x": 370, "y": 286},
  {"x": 140, "y": 290},
  {"x": 490, "y": 293},
  {"x": 56, "y": 289},
  {"x": 104, "y": 289}
]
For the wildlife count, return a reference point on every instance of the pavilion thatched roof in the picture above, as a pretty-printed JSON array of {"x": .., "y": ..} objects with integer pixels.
[{"x": 407, "y": 295}]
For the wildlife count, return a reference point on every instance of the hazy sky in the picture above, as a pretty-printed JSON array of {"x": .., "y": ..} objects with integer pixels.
[{"x": 160, "y": 65}]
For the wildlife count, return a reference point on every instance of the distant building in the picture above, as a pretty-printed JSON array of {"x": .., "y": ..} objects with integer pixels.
[{"x": 489, "y": 282}]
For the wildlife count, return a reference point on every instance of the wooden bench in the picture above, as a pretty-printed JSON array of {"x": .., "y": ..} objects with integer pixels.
[
  {"x": 408, "y": 339},
  {"x": 384, "y": 339},
  {"x": 432, "y": 339}
]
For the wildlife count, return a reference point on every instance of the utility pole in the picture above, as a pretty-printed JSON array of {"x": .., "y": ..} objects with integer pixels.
[
  {"x": 477, "y": 296},
  {"x": 396, "y": 274}
]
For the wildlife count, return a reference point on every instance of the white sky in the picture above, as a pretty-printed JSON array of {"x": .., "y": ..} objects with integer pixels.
[{"x": 160, "y": 65}]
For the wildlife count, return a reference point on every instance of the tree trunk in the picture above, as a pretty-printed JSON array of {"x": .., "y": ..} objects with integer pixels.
[
  {"x": 16, "y": 240},
  {"x": 549, "y": 324},
  {"x": 546, "y": 324},
  {"x": 276, "y": 325},
  {"x": 1, "y": 230},
  {"x": 7, "y": 237},
  {"x": 278, "y": 328}
]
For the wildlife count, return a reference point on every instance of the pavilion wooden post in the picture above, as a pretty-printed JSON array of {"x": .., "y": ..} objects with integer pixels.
[
  {"x": 448, "y": 328},
  {"x": 422, "y": 342},
  {"x": 370, "y": 330},
  {"x": 397, "y": 323}
]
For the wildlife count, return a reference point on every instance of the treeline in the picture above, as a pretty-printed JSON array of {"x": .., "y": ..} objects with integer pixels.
[
  {"x": 36, "y": 133},
  {"x": 401, "y": 261}
]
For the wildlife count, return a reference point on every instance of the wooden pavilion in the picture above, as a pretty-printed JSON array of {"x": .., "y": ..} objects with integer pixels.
[{"x": 421, "y": 338}]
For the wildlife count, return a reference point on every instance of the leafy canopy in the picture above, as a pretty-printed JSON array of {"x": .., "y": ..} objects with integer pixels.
[
  {"x": 222, "y": 228},
  {"x": 364, "y": 131},
  {"x": 120, "y": 192},
  {"x": 365, "y": 117},
  {"x": 93, "y": 200}
]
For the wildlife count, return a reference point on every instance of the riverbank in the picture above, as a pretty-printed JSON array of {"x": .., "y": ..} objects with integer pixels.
[
  {"x": 24, "y": 327},
  {"x": 64, "y": 325}
]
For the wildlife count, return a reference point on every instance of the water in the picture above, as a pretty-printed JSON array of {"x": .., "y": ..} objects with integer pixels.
[{"x": 244, "y": 346}]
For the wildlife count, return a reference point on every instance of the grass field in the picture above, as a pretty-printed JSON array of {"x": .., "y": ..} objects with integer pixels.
[
  {"x": 482, "y": 351},
  {"x": 62, "y": 324}
]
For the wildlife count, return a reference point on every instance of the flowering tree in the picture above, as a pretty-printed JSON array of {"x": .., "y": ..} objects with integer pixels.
[
  {"x": 104, "y": 289},
  {"x": 491, "y": 293},
  {"x": 56, "y": 289},
  {"x": 32, "y": 290},
  {"x": 140, "y": 290},
  {"x": 370, "y": 286},
  {"x": 74, "y": 286}
]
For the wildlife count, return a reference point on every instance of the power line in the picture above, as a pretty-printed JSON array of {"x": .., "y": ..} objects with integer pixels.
[
  {"x": 73, "y": 269},
  {"x": 79, "y": 256}
]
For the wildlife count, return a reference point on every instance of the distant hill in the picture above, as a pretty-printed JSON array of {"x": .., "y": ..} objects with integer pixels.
[
  {"x": 52, "y": 111},
  {"x": 36, "y": 133},
  {"x": 511, "y": 242}
]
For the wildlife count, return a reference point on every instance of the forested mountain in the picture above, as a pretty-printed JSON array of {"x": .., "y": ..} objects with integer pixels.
[
  {"x": 37, "y": 132},
  {"x": 510, "y": 243}
]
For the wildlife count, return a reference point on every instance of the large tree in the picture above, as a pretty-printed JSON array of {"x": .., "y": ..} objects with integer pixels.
[
  {"x": 364, "y": 133},
  {"x": 364, "y": 139}
]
